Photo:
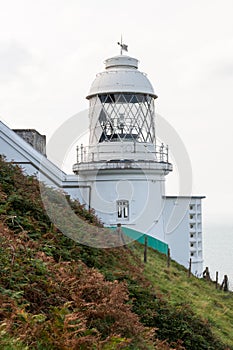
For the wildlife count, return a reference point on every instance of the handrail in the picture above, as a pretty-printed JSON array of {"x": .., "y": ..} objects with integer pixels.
[{"x": 157, "y": 153}]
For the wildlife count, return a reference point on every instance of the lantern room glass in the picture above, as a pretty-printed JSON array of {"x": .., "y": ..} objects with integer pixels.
[{"x": 122, "y": 117}]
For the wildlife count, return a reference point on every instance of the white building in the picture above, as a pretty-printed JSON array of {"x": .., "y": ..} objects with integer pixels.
[{"x": 121, "y": 173}]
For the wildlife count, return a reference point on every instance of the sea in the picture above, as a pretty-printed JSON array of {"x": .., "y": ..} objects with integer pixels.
[{"x": 218, "y": 251}]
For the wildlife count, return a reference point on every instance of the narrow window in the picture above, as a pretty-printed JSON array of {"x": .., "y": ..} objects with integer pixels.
[{"x": 123, "y": 209}]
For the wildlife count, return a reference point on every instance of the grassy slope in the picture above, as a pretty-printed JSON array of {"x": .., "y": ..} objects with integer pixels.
[
  {"x": 181, "y": 295},
  {"x": 212, "y": 305},
  {"x": 36, "y": 302}
]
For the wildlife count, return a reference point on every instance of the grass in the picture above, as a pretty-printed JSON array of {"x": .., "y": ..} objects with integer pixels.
[{"x": 204, "y": 299}]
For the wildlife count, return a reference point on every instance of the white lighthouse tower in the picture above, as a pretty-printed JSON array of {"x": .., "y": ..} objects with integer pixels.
[{"x": 123, "y": 164}]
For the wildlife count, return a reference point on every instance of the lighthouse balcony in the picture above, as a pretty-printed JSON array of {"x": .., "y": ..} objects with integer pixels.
[
  {"x": 122, "y": 155},
  {"x": 122, "y": 164}
]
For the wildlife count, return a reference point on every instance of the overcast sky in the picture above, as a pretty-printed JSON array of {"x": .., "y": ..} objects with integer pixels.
[{"x": 51, "y": 50}]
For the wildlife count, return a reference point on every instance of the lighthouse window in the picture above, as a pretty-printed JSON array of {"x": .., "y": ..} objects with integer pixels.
[
  {"x": 123, "y": 117},
  {"x": 123, "y": 209}
]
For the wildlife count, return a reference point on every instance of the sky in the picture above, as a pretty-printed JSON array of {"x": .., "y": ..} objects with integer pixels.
[{"x": 51, "y": 50}]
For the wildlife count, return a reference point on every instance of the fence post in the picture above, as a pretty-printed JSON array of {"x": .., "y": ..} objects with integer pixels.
[
  {"x": 206, "y": 274},
  {"x": 216, "y": 282},
  {"x": 120, "y": 235},
  {"x": 168, "y": 257},
  {"x": 190, "y": 267},
  {"x": 224, "y": 284},
  {"x": 145, "y": 249}
]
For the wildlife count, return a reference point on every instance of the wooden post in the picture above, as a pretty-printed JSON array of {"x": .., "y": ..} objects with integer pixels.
[
  {"x": 224, "y": 284},
  {"x": 145, "y": 249},
  {"x": 206, "y": 274},
  {"x": 190, "y": 267},
  {"x": 216, "y": 281},
  {"x": 168, "y": 257},
  {"x": 120, "y": 235}
]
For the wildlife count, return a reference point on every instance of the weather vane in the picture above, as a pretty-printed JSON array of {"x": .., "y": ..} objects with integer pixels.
[{"x": 123, "y": 46}]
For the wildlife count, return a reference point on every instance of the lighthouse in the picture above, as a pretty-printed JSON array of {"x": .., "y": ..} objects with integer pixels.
[
  {"x": 121, "y": 172},
  {"x": 124, "y": 164}
]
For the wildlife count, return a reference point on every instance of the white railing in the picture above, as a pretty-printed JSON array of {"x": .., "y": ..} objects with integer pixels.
[{"x": 122, "y": 152}]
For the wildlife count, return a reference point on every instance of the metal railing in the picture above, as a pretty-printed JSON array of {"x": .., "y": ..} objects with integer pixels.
[{"x": 131, "y": 152}]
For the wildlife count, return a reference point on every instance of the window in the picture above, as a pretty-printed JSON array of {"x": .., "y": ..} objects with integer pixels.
[
  {"x": 123, "y": 209},
  {"x": 123, "y": 117}
]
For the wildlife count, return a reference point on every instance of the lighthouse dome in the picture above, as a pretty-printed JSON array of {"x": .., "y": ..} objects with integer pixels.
[{"x": 121, "y": 75}]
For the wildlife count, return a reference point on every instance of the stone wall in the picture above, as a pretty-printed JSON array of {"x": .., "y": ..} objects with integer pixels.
[{"x": 34, "y": 138}]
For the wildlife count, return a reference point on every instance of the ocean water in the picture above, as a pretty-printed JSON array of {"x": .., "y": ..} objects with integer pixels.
[{"x": 218, "y": 251}]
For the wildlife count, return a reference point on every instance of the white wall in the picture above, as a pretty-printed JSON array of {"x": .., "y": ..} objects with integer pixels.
[
  {"x": 140, "y": 188},
  {"x": 185, "y": 241}
]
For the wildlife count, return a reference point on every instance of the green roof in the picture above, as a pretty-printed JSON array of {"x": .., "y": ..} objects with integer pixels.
[{"x": 152, "y": 242}]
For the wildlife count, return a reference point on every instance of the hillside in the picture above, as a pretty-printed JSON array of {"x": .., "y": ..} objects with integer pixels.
[{"x": 58, "y": 294}]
